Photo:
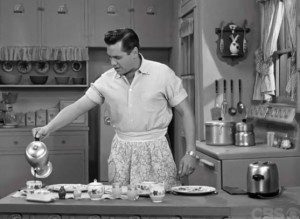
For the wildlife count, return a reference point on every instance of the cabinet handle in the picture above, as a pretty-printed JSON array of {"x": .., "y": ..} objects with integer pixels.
[
  {"x": 207, "y": 163},
  {"x": 131, "y": 9}
]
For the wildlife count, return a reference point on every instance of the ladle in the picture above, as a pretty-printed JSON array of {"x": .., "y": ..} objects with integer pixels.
[
  {"x": 232, "y": 109},
  {"x": 240, "y": 106}
]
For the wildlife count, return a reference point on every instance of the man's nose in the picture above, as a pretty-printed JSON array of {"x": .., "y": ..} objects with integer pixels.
[{"x": 113, "y": 62}]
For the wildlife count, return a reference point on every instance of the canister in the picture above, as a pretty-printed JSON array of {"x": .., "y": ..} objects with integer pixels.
[{"x": 219, "y": 133}]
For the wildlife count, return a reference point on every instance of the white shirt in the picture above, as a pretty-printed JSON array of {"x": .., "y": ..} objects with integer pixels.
[{"x": 141, "y": 109}]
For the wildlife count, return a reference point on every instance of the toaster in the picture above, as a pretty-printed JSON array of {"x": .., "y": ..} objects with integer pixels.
[{"x": 262, "y": 179}]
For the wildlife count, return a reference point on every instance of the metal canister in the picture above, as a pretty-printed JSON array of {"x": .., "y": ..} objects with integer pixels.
[{"x": 219, "y": 133}]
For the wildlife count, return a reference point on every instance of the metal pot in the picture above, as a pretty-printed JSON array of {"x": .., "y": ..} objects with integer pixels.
[
  {"x": 38, "y": 157},
  {"x": 244, "y": 135},
  {"x": 219, "y": 133},
  {"x": 262, "y": 179},
  {"x": 244, "y": 126},
  {"x": 244, "y": 139}
]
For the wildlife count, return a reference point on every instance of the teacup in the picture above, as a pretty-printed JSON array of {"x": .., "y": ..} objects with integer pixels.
[{"x": 157, "y": 192}]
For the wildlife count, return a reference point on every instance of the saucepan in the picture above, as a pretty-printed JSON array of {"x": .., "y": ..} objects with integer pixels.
[{"x": 219, "y": 132}]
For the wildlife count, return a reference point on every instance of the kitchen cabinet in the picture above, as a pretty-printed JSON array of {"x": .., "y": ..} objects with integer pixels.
[
  {"x": 41, "y": 24},
  {"x": 68, "y": 153},
  {"x": 151, "y": 19},
  {"x": 19, "y": 29},
  {"x": 221, "y": 166}
]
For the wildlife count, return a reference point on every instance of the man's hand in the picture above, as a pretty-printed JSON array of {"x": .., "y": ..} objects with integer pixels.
[
  {"x": 187, "y": 165},
  {"x": 40, "y": 132}
]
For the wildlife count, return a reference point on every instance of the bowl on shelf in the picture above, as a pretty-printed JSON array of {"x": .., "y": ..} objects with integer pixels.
[
  {"x": 78, "y": 80},
  {"x": 38, "y": 79},
  {"x": 10, "y": 77},
  {"x": 62, "y": 80}
]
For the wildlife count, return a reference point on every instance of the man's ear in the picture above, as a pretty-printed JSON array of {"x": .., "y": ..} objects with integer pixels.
[{"x": 135, "y": 51}]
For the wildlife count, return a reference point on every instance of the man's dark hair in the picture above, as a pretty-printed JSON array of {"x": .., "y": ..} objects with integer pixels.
[{"x": 127, "y": 36}]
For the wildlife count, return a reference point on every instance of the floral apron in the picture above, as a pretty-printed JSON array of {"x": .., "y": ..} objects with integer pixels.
[{"x": 132, "y": 162}]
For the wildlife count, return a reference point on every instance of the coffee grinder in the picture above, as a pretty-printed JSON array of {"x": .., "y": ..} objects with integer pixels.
[{"x": 8, "y": 117}]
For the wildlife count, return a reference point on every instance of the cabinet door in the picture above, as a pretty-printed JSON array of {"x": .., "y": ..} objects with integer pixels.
[
  {"x": 106, "y": 15},
  {"x": 207, "y": 172},
  {"x": 234, "y": 172},
  {"x": 152, "y": 20},
  {"x": 19, "y": 29},
  {"x": 63, "y": 29}
]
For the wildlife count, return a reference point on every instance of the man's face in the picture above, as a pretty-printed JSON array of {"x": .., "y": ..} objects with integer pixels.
[{"x": 120, "y": 60}]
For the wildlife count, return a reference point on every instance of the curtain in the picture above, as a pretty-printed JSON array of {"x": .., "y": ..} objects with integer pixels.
[
  {"x": 271, "y": 18},
  {"x": 290, "y": 18}
]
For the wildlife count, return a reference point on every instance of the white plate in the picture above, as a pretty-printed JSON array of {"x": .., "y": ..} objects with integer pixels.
[
  {"x": 68, "y": 187},
  {"x": 193, "y": 190}
]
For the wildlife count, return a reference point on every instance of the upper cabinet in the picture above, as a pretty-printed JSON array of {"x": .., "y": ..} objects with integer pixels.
[
  {"x": 63, "y": 23},
  {"x": 19, "y": 28},
  {"x": 151, "y": 19},
  {"x": 42, "y": 23}
]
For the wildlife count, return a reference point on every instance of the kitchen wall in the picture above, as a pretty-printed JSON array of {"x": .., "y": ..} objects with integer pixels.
[{"x": 236, "y": 11}]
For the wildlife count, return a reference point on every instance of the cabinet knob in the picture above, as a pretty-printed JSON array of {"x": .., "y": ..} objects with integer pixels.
[
  {"x": 131, "y": 9},
  {"x": 150, "y": 10},
  {"x": 63, "y": 141},
  {"x": 111, "y": 10},
  {"x": 16, "y": 142}
]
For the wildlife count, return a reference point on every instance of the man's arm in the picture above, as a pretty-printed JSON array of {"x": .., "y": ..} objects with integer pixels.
[
  {"x": 65, "y": 116},
  {"x": 188, "y": 163}
]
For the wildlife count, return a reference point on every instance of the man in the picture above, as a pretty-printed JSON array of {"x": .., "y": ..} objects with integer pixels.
[{"x": 140, "y": 94}]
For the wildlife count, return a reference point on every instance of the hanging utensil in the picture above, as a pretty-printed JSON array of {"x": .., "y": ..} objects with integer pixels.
[
  {"x": 224, "y": 103},
  {"x": 245, "y": 46},
  {"x": 221, "y": 38},
  {"x": 240, "y": 106},
  {"x": 216, "y": 110},
  {"x": 232, "y": 109}
]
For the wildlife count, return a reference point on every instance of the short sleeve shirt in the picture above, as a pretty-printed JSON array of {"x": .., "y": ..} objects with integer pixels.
[{"x": 145, "y": 104}]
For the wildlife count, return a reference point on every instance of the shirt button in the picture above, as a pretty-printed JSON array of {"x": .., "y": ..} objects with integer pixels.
[{"x": 130, "y": 89}]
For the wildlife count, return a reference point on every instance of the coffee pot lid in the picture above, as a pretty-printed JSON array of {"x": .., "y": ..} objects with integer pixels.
[{"x": 36, "y": 149}]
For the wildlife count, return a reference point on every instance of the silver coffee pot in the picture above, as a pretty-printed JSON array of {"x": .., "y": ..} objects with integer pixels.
[{"x": 37, "y": 156}]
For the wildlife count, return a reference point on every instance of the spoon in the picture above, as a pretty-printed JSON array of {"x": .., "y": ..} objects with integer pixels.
[
  {"x": 232, "y": 109},
  {"x": 224, "y": 103},
  {"x": 240, "y": 106}
]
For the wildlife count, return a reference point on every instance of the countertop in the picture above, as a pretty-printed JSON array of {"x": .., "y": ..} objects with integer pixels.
[
  {"x": 215, "y": 205},
  {"x": 260, "y": 150}
]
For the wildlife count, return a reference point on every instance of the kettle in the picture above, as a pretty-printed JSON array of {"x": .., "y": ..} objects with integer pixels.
[
  {"x": 262, "y": 179},
  {"x": 38, "y": 157}
]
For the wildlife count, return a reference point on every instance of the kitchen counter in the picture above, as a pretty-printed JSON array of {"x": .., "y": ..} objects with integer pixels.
[
  {"x": 216, "y": 206},
  {"x": 260, "y": 150}
]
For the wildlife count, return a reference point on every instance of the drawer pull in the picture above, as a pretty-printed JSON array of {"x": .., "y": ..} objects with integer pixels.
[
  {"x": 207, "y": 163},
  {"x": 16, "y": 142},
  {"x": 63, "y": 141}
]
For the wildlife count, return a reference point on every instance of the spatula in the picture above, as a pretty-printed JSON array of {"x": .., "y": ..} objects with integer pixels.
[{"x": 216, "y": 110}]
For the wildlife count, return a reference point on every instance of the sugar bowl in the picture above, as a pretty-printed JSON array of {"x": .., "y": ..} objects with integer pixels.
[{"x": 95, "y": 190}]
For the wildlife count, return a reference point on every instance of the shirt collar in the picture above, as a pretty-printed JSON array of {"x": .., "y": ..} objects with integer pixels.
[{"x": 142, "y": 69}]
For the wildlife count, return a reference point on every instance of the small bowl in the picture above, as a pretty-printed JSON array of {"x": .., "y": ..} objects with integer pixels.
[
  {"x": 62, "y": 80},
  {"x": 77, "y": 80},
  {"x": 10, "y": 78},
  {"x": 38, "y": 79}
]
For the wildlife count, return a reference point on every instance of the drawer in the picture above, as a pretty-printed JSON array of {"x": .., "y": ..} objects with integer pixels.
[
  {"x": 67, "y": 139},
  {"x": 207, "y": 172},
  {"x": 56, "y": 140}
]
